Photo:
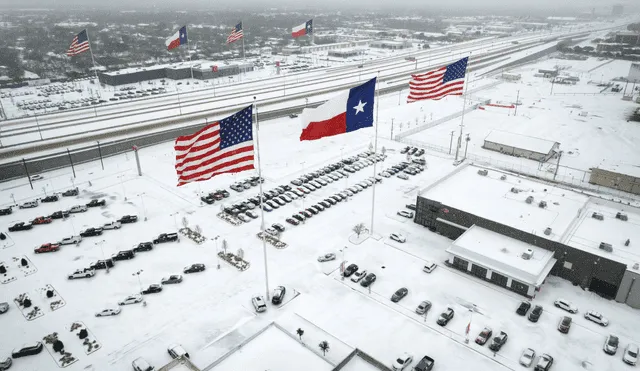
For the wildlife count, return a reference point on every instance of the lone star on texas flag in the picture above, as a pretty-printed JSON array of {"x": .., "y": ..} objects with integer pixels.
[{"x": 360, "y": 107}]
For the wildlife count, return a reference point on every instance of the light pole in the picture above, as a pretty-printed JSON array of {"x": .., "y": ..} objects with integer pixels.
[
  {"x": 343, "y": 262},
  {"x": 143, "y": 207},
  {"x": 139, "y": 282},
  {"x": 99, "y": 243},
  {"x": 122, "y": 184},
  {"x": 13, "y": 198},
  {"x": 466, "y": 146},
  {"x": 215, "y": 239},
  {"x": 306, "y": 102},
  {"x": 175, "y": 221}
]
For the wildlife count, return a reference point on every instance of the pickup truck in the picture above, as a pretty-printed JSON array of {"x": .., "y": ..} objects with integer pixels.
[
  {"x": 166, "y": 237},
  {"x": 425, "y": 364},
  {"x": 498, "y": 341}
]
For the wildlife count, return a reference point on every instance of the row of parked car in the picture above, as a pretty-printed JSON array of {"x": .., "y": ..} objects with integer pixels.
[
  {"x": 414, "y": 151},
  {"x": 258, "y": 301},
  {"x": 241, "y": 186},
  {"x": 51, "y": 198},
  {"x": 61, "y": 214},
  {"x": 404, "y": 169}
]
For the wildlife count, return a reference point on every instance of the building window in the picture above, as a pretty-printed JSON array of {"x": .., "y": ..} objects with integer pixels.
[
  {"x": 519, "y": 287},
  {"x": 479, "y": 271},
  {"x": 567, "y": 265},
  {"x": 460, "y": 264}
]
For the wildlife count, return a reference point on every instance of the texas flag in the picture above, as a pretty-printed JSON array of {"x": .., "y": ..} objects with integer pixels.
[
  {"x": 345, "y": 113},
  {"x": 304, "y": 29},
  {"x": 177, "y": 39}
]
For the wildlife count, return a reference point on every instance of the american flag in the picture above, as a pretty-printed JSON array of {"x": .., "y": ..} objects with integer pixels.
[
  {"x": 436, "y": 84},
  {"x": 80, "y": 44},
  {"x": 225, "y": 146},
  {"x": 236, "y": 34}
]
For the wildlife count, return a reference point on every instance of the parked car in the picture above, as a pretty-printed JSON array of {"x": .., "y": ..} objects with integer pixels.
[
  {"x": 131, "y": 299},
  {"x": 278, "y": 227},
  {"x": 41, "y": 220},
  {"x": 102, "y": 264},
  {"x": 566, "y": 305},
  {"x": 611, "y": 344},
  {"x": 258, "y": 304},
  {"x": 70, "y": 192},
  {"x": 327, "y": 257},
  {"x": 423, "y": 307},
  {"x": 358, "y": 275},
  {"x": 124, "y": 255},
  {"x": 20, "y": 226},
  {"x": 59, "y": 214},
  {"x": 403, "y": 176},
  {"x": 351, "y": 269},
  {"x": 47, "y": 247},
  {"x": 406, "y": 214},
  {"x": 484, "y": 336},
  {"x": 425, "y": 364},
  {"x": 402, "y": 362},
  {"x": 78, "y": 209},
  {"x": 27, "y": 350},
  {"x": 630, "y": 356},
  {"x": 499, "y": 341},
  {"x": 71, "y": 240},
  {"x": 429, "y": 267},
  {"x": 141, "y": 364},
  {"x": 29, "y": 205},
  {"x": 252, "y": 215},
  {"x": 4, "y": 307},
  {"x": 445, "y": 316},
  {"x": 89, "y": 232},
  {"x": 128, "y": 219},
  {"x": 564, "y": 325},
  {"x": 52, "y": 198},
  {"x": 166, "y": 237},
  {"x": 6, "y": 211},
  {"x": 82, "y": 273},
  {"x": 399, "y": 294},
  {"x": 398, "y": 237},
  {"x": 5, "y": 364},
  {"x": 172, "y": 279},
  {"x": 194, "y": 268},
  {"x": 208, "y": 199},
  {"x": 278, "y": 295},
  {"x": 112, "y": 225},
  {"x": 96, "y": 202},
  {"x": 152, "y": 289},
  {"x": 368, "y": 280},
  {"x": 292, "y": 221},
  {"x": 523, "y": 308},
  {"x": 527, "y": 357},
  {"x": 177, "y": 351},
  {"x": 544, "y": 363},
  {"x": 597, "y": 318},
  {"x": 109, "y": 312},
  {"x": 143, "y": 246},
  {"x": 535, "y": 314}
]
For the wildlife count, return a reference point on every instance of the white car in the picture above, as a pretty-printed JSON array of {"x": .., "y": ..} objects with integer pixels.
[
  {"x": 429, "y": 267},
  {"x": 406, "y": 214},
  {"x": 403, "y": 176},
  {"x": 527, "y": 357},
  {"x": 36, "y": 177},
  {"x": 244, "y": 218},
  {"x": 258, "y": 304},
  {"x": 112, "y": 225},
  {"x": 82, "y": 273},
  {"x": 327, "y": 257},
  {"x": 630, "y": 354},
  {"x": 597, "y": 318},
  {"x": 29, "y": 205},
  {"x": 271, "y": 231},
  {"x": 177, "y": 351},
  {"x": 566, "y": 305},
  {"x": 398, "y": 237},
  {"x": 78, "y": 209},
  {"x": 71, "y": 240},
  {"x": 359, "y": 275},
  {"x": 108, "y": 312},
  {"x": 402, "y": 362},
  {"x": 131, "y": 299}
]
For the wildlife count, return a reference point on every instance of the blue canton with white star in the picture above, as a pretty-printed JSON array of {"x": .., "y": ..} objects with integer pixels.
[
  {"x": 237, "y": 128},
  {"x": 456, "y": 70}
]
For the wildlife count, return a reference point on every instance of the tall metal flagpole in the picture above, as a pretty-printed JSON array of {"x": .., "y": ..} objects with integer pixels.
[
  {"x": 464, "y": 108},
  {"x": 264, "y": 242},
  {"x": 244, "y": 60},
  {"x": 375, "y": 149},
  {"x": 95, "y": 70},
  {"x": 189, "y": 51}
]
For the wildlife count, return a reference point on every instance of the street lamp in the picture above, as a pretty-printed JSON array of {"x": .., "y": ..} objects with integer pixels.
[
  {"x": 343, "y": 262},
  {"x": 139, "y": 282},
  {"x": 122, "y": 184},
  {"x": 99, "y": 243},
  {"x": 215, "y": 239},
  {"x": 143, "y": 207},
  {"x": 175, "y": 221}
]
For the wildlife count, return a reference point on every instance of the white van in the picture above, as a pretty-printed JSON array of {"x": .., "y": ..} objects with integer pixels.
[
  {"x": 429, "y": 267},
  {"x": 141, "y": 364}
]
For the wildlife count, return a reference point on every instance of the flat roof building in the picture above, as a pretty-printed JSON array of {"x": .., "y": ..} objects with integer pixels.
[
  {"x": 521, "y": 145},
  {"x": 624, "y": 177}
]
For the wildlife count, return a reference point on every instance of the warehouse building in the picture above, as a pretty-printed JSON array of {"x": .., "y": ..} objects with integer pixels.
[
  {"x": 391, "y": 44},
  {"x": 619, "y": 176},
  {"x": 586, "y": 236},
  {"x": 345, "y": 53},
  {"x": 521, "y": 145}
]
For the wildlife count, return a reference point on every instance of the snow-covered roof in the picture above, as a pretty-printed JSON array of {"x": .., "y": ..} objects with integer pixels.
[
  {"x": 621, "y": 168},
  {"x": 503, "y": 254},
  {"x": 532, "y": 144},
  {"x": 491, "y": 198}
]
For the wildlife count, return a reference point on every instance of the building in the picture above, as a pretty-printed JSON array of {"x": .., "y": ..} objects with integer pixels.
[
  {"x": 345, "y": 53},
  {"x": 521, "y": 145},
  {"x": 628, "y": 37},
  {"x": 620, "y": 176},
  {"x": 587, "y": 236},
  {"x": 391, "y": 44},
  {"x": 504, "y": 261},
  {"x": 617, "y": 10},
  {"x": 511, "y": 76},
  {"x": 609, "y": 47}
]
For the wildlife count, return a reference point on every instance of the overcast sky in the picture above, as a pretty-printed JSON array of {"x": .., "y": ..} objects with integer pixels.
[{"x": 456, "y": 6}]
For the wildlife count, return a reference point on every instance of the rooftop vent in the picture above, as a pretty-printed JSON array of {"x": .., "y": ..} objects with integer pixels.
[
  {"x": 636, "y": 266},
  {"x": 483, "y": 172},
  {"x": 503, "y": 177},
  {"x": 606, "y": 247},
  {"x": 542, "y": 204},
  {"x": 547, "y": 231},
  {"x": 529, "y": 200},
  {"x": 622, "y": 217},
  {"x": 515, "y": 190},
  {"x": 597, "y": 216},
  {"x": 527, "y": 255}
]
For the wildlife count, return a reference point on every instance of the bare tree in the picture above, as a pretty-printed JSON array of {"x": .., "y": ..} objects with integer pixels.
[
  {"x": 198, "y": 229},
  {"x": 300, "y": 332},
  {"x": 224, "y": 246},
  {"x": 383, "y": 150},
  {"x": 370, "y": 147},
  {"x": 185, "y": 222},
  {"x": 324, "y": 347},
  {"x": 359, "y": 229},
  {"x": 240, "y": 253}
]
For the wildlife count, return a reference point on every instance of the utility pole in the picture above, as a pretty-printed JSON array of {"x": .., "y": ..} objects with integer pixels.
[
  {"x": 451, "y": 141},
  {"x": 555, "y": 173},
  {"x": 515, "y": 113},
  {"x": 391, "y": 129},
  {"x": 466, "y": 146},
  {"x": 553, "y": 79}
]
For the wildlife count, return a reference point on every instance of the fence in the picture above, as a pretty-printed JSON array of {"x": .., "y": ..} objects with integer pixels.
[{"x": 437, "y": 122}]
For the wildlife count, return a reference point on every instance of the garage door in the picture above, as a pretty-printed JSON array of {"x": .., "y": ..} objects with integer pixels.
[
  {"x": 519, "y": 287},
  {"x": 602, "y": 288},
  {"x": 498, "y": 279},
  {"x": 479, "y": 271},
  {"x": 460, "y": 264}
]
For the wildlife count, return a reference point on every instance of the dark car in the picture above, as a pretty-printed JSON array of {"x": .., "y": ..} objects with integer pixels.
[
  {"x": 20, "y": 226},
  {"x": 351, "y": 269},
  {"x": 535, "y": 313},
  {"x": 91, "y": 232},
  {"x": 544, "y": 363},
  {"x": 223, "y": 192},
  {"x": 425, "y": 364},
  {"x": 523, "y": 308},
  {"x": 70, "y": 192},
  {"x": 152, "y": 289},
  {"x": 208, "y": 199},
  {"x": 445, "y": 317},
  {"x": 564, "y": 325},
  {"x": 292, "y": 221},
  {"x": 312, "y": 210},
  {"x": 217, "y": 196},
  {"x": 27, "y": 350},
  {"x": 52, "y": 198},
  {"x": 193, "y": 268},
  {"x": 498, "y": 341},
  {"x": 278, "y": 227},
  {"x": 278, "y": 295},
  {"x": 124, "y": 255},
  {"x": 297, "y": 217},
  {"x": 128, "y": 219},
  {"x": 102, "y": 264},
  {"x": 166, "y": 237},
  {"x": 96, "y": 202},
  {"x": 174, "y": 278},
  {"x": 368, "y": 280},
  {"x": 59, "y": 214},
  {"x": 6, "y": 211},
  {"x": 399, "y": 294},
  {"x": 484, "y": 336},
  {"x": 143, "y": 246}
]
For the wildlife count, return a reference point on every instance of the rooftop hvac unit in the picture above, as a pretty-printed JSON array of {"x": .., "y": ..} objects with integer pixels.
[
  {"x": 622, "y": 217},
  {"x": 542, "y": 204},
  {"x": 527, "y": 255},
  {"x": 515, "y": 190},
  {"x": 547, "y": 231},
  {"x": 606, "y": 246},
  {"x": 597, "y": 216},
  {"x": 503, "y": 177},
  {"x": 483, "y": 172},
  {"x": 529, "y": 200},
  {"x": 636, "y": 266}
]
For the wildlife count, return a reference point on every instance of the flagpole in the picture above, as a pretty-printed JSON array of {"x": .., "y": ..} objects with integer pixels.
[
  {"x": 95, "y": 70},
  {"x": 464, "y": 107},
  {"x": 244, "y": 60},
  {"x": 264, "y": 243},
  {"x": 375, "y": 150},
  {"x": 186, "y": 33}
]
